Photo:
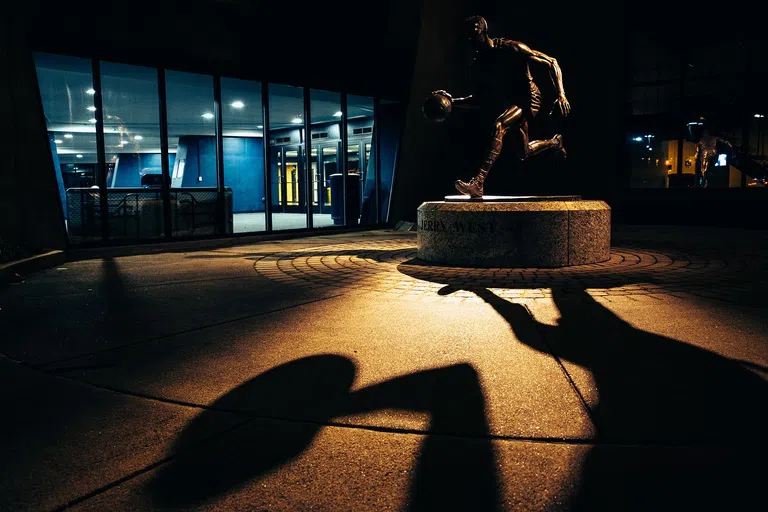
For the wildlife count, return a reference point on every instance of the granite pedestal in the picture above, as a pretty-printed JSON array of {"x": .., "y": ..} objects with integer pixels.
[{"x": 514, "y": 231}]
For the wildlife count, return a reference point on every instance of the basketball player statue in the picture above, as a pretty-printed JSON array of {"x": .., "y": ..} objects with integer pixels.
[{"x": 502, "y": 81}]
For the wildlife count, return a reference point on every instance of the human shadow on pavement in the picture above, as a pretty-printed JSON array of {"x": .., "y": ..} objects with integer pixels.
[
  {"x": 291, "y": 403},
  {"x": 679, "y": 427}
]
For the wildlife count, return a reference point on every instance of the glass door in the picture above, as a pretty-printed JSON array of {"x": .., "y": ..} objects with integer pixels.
[
  {"x": 324, "y": 164},
  {"x": 286, "y": 179}
]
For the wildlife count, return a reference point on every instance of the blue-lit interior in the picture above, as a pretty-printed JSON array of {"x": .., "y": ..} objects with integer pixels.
[{"x": 133, "y": 161}]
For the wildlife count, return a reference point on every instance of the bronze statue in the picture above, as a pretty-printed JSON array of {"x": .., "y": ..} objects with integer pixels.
[
  {"x": 706, "y": 155},
  {"x": 502, "y": 81}
]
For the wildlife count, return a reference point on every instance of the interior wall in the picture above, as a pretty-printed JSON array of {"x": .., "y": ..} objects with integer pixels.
[
  {"x": 244, "y": 173},
  {"x": 132, "y": 166},
  {"x": 243, "y": 168}
]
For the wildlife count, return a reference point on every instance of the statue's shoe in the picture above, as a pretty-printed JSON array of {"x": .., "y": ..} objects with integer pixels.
[
  {"x": 560, "y": 151},
  {"x": 472, "y": 189}
]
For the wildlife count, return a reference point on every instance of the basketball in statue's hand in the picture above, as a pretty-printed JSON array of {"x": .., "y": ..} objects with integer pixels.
[{"x": 437, "y": 107}]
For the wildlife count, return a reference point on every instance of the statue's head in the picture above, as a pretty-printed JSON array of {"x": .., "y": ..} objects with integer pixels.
[{"x": 476, "y": 30}]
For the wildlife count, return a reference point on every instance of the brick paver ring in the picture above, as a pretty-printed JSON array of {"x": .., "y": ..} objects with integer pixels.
[{"x": 392, "y": 267}]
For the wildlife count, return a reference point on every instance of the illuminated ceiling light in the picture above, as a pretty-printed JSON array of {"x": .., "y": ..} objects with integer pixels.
[
  {"x": 92, "y": 108},
  {"x": 91, "y": 91},
  {"x": 137, "y": 137},
  {"x": 637, "y": 139},
  {"x": 58, "y": 141},
  {"x": 337, "y": 114},
  {"x": 68, "y": 135},
  {"x": 296, "y": 120},
  {"x": 92, "y": 120},
  {"x": 649, "y": 136},
  {"x": 79, "y": 155},
  {"x": 759, "y": 115},
  {"x": 237, "y": 104},
  {"x": 207, "y": 115},
  {"x": 260, "y": 126},
  {"x": 650, "y": 148}
]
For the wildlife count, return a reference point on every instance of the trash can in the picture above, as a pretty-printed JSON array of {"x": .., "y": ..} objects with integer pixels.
[{"x": 353, "y": 198}]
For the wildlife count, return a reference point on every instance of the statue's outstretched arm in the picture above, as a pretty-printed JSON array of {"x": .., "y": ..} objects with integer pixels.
[
  {"x": 555, "y": 72},
  {"x": 465, "y": 101}
]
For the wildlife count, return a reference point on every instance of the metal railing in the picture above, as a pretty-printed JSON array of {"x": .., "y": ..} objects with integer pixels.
[{"x": 137, "y": 213}]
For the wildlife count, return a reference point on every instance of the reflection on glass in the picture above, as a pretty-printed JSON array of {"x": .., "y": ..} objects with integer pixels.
[
  {"x": 327, "y": 192},
  {"x": 313, "y": 169},
  {"x": 353, "y": 159},
  {"x": 287, "y": 175},
  {"x": 291, "y": 161},
  {"x": 359, "y": 139},
  {"x": 243, "y": 133},
  {"x": 706, "y": 84},
  {"x": 192, "y": 137},
  {"x": 330, "y": 167},
  {"x": 389, "y": 118},
  {"x": 66, "y": 91},
  {"x": 132, "y": 145}
]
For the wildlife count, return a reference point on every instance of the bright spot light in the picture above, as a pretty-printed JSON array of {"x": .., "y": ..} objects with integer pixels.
[
  {"x": 207, "y": 115},
  {"x": 58, "y": 141},
  {"x": 92, "y": 108},
  {"x": 137, "y": 137},
  {"x": 260, "y": 126},
  {"x": 79, "y": 155},
  {"x": 238, "y": 104},
  {"x": 296, "y": 120},
  {"x": 337, "y": 114},
  {"x": 638, "y": 139},
  {"x": 90, "y": 91},
  {"x": 759, "y": 115},
  {"x": 68, "y": 135},
  {"x": 92, "y": 120}
]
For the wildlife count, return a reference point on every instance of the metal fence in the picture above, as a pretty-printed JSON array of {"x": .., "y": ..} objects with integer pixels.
[{"x": 138, "y": 213}]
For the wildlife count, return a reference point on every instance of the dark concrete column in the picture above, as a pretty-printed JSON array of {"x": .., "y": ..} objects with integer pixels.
[
  {"x": 30, "y": 206},
  {"x": 435, "y": 67}
]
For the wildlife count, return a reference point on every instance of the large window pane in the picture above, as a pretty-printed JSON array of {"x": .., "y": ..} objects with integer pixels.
[
  {"x": 132, "y": 145},
  {"x": 693, "y": 115},
  {"x": 390, "y": 120},
  {"x": 361, "y": 196},
  {"x": 243, "y": 133},
  {"x": 192, "y": 138},
  {"x": 287, "y": 164},
  {"x": 66, "y": 90},
  {"x": 325, "y": 171}
]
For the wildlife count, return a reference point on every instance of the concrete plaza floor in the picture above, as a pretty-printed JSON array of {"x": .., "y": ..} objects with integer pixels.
[{"x": 340, "y": 373}]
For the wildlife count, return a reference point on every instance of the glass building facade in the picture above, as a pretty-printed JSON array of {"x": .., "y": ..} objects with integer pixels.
[
  {"x": 146, "y": 153},
  {"x": 695, "y": 112}
]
